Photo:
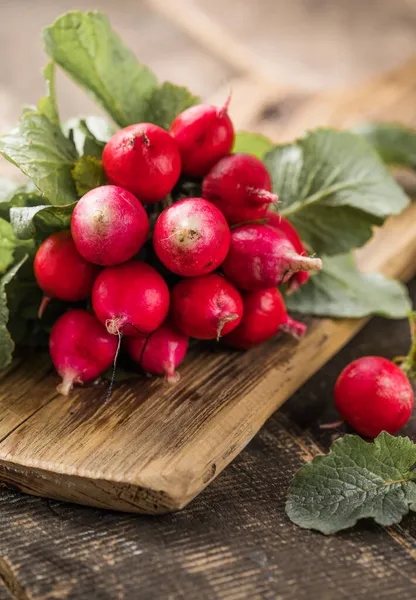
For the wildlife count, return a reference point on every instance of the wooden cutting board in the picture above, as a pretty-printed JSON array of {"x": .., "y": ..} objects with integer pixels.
[{"x": 152, "y": 448}]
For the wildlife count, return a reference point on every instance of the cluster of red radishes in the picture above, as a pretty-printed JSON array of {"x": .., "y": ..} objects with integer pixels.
[{"x": 229, "y": 229}]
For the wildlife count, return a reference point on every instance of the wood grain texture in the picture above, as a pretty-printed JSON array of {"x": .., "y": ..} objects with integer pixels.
[{"x": 153, "y": 448}]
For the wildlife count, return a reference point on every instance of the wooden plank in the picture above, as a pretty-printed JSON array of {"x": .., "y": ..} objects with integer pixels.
[{"x": 153, "y": 448}]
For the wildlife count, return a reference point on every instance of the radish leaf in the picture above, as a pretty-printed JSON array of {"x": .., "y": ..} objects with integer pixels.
[
  {"x": 333, "y": 187},
  {"x": 90, "y": 51},
  {"x": 341, "y": 290},
  {"x": 395, "y": 143},
  {"x": 356, "y": 480}
]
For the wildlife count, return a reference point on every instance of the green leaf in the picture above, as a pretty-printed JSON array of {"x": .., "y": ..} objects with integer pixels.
[
  {"x": 8, "y": 245},
  {"x": 88, "y": 173},
  {"x": 340, "y": 290},
  {"x": 18, "y": 195},
  {"x": 89, "y": 50},
  {"x": 356, "y": 480},
  {"x": 38, "y": 222},
  {"x": 166, "y": 102},
  {"x": 42, "y": 152},
  {"x": 395, "y": 143},
  {"x": 6, "y": 342},
  {"x": 90, "y": 134},
  {"x": 333, "y": 187},
  {"x": 47, "y": 106},
  {"x": 252, "y": 143}
]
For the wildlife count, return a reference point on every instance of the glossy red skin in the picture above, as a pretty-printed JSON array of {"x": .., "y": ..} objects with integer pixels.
[
  {"x": 109, "y": 225},
  {"x": 200, "y": 306},
  {"x": 204, "y": 134},
  {"x": 191, "y": 237},
  {"x": 144, "y": 159},
  {"x": 264, "y": 316},
  {"x": 133, "y": 293},
  {"x": 288, "y": 230},
  {"x": 372, "y": 394},
  {"x": 81, "y": 348},
  {"x": 260, "y": 258},
  {"x": 161, "y": 352},
  {"x": 60, "y": 270},
  {"x": 240, "y": 186}
]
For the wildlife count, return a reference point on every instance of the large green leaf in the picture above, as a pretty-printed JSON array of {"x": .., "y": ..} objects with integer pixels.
[
  {"x": 340, "y": 290},
  {"x": 252, "y": 143},
  {"x": 47, "y": 106},
  {"x": 42, "y": 152},
  {"x": 356, "y": 480},
  {"x": 37, "y": 222},
  {"x": 6, "y": 342},
  {"x": 90, "y": 51},
  {"x": 333, "y": 187},
  {"x": 12, "y": 194},
  {"x": 9, "y": 244},
  {"x": 395, "y": 143},
  {"x": 166, "y": 102}
]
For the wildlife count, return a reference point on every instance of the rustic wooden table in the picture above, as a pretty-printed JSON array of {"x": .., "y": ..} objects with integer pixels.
[{"x": 234, "y": 541}]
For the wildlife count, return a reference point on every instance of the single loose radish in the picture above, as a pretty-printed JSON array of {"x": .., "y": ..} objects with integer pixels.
[
  {"x": 286, "y": 228},
  {"x": 373, "y": 394},
  {"x": 130, "y": 298},
  {"x": 204, "y": 134},
  {"x": 109, "y": 225},
  {"x": 206, "y": 307},
  {"x": 61, "y": 272},
  {"x": 81, "y": 348},
  {"x": 240, "y": 186},
  {"x": 261, "y": 257},
  {"x": 264, "y": 316},
  {"x": 191, "y": 237},
  {"x": 143, "y": 159},
  {"x": 161, "y": 352}
]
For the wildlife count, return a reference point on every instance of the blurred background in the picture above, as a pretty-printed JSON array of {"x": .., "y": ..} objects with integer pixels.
[{"x": 206, "y": 44}]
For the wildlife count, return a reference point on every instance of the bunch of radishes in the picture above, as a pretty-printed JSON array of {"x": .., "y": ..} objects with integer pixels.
[{"x": 223, "y": 255}]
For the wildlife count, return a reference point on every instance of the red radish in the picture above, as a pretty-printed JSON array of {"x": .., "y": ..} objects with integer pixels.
[
  {"x": 191, "y": 237},
  {"x": 61, "y": 272},
  {"x": 109, "y": 225},
  {"x": 206, "y": 307},
  {"x": 132, "y": 294},
  {"x": 261, "y": 257},
  {"x": 373, "y": 394},
  {"x": 264, "y": 316},
  {"x": 286, "y": 228},
  {"x": 81, "y": 348},
  {"x": 161, "y": 352},
  {"x": 204, "y": 134},
  {"x": 240, "y": 186},
  {"x": 143, "y": 159}
]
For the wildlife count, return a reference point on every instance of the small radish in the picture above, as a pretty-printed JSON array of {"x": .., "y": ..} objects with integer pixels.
[
  {"x": 373, "y": 394},
  {"x": 206, "y": 307},
  {"x": 204, "y": 134},
  {"x": 286, "y": 228},
  {"x": 132, "y": 294},
  {"x": 143, "y": 159},
  {"x": 240, "y": 186},
  {"x": 261, "y": 257},
  {"x": 191, "y": 237},
  {"x": 161, "y": 352},
  {"x": 264, "y": 316},
  {"x": 109, "y": 225},
  {"x": 81, "y": 349},
  {"x": 61, "y": 272}
]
